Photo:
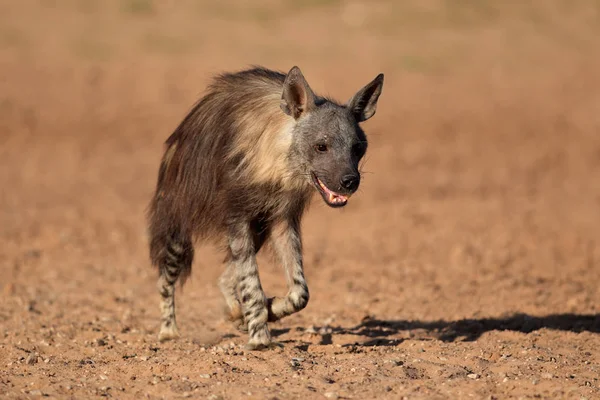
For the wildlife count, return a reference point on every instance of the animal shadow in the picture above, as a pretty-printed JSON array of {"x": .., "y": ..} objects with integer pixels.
[{"x": 381, "y": 331}]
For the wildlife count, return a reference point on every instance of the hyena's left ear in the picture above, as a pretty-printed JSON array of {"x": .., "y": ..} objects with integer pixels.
[
  {"x": 297, "y": 97},
  {"x": 364, "y": 103}
]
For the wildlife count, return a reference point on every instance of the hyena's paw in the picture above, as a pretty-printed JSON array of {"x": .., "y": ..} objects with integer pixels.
[
  {"x": 263, "y": 347},
  {"x": 241, "y": 325},
  {"x": 236, "y": 317},
  {"x": 260, "y": 339},
  {"x": 168, "y": 332}
]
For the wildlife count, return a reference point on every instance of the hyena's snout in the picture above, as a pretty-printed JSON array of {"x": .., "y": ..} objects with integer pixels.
[{"x": 350, "y": 182}]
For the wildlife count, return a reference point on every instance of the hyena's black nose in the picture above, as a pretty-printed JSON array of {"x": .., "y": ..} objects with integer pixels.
[{"x": 350, "y": 182}]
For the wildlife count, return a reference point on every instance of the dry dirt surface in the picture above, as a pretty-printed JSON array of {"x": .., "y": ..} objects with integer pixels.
[{"x": 468, "y": 266}]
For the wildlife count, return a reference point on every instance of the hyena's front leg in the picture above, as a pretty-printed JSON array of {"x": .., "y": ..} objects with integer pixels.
[
  {"x": 254, "y": 302},
  {"x": 229, "y": 280},
  {"x": 288, "y": 245}
]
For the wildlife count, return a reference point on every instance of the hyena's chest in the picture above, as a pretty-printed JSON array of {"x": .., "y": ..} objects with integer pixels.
[{"x": 274, "y": 201}]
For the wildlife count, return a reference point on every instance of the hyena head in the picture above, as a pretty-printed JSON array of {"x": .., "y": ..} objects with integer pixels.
[{"x": 328, "y": 144}]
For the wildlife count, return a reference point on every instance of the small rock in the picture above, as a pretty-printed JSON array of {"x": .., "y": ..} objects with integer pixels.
[
  {"x": 103, "y": 377},
  {"x": 325, "y": 330},
  {"x": 331, "y": 395},
  {"x": 204, "y": 376},
  {"x": 472, "y": 376},
  {"x": 311, "y": 330},
  {"x": 36, "y": 393},
  {"x": 31, "y": 359},
  {"x": 547, "y": 375}
]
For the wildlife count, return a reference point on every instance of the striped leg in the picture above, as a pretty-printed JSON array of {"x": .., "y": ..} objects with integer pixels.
[
  {"x": 229, "y": 280},
  {"x": 288, "y": 246},
  {"x": 243, "y": 248},
  {"x": 228, "y": 283},
  {"x": 176, "y": 259}
]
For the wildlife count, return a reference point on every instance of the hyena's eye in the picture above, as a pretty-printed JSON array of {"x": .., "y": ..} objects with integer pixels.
[{"x": 321, "y": 148}]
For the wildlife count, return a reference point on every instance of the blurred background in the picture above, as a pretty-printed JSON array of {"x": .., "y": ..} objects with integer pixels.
[{"x": 482, "y": 196}]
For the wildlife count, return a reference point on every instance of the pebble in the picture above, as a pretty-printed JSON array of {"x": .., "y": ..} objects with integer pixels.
[
  {"x": 325, "y": 330},
  {"x": 331, "y": 395},
  {"x": 311, "y": 329},
  {"x": 204, "y": 376},
  {"x": 31, "y": 359},
  {"x": 547, "y": 375},
  {"x": 472, "y": 376}
]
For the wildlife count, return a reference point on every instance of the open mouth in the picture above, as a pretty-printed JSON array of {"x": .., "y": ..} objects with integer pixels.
[{"x": 332, "y": 198}]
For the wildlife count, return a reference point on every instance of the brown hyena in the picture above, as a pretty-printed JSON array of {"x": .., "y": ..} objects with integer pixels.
[{"x": 242, "y": 166}]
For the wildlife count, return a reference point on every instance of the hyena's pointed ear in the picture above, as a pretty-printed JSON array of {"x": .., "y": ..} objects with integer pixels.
[
  {"x": 297, "y": 97},
  {"x": 364, "y": 103}
]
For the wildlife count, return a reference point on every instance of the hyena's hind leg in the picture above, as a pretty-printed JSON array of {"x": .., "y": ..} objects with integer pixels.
[
  {"x": 175, "y": 261},
  {"x": 229, "y": 282}
]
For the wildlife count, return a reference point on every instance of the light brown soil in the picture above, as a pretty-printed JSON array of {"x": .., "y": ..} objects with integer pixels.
[{"x": 466, "y": 267}]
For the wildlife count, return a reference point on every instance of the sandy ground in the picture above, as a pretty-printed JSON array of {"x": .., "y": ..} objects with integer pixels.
[{"x": 467, "y": 266}]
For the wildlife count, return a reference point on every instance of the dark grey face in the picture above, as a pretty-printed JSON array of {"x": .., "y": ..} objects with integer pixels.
[
  {"x": 328, "y": 143},
  {"x": 331, "y": 144}
]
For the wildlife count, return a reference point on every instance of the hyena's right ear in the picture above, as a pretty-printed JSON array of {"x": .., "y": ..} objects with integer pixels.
[
  {"x": 297, "y": 97},
  {"x": 364, "y": 103}
]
